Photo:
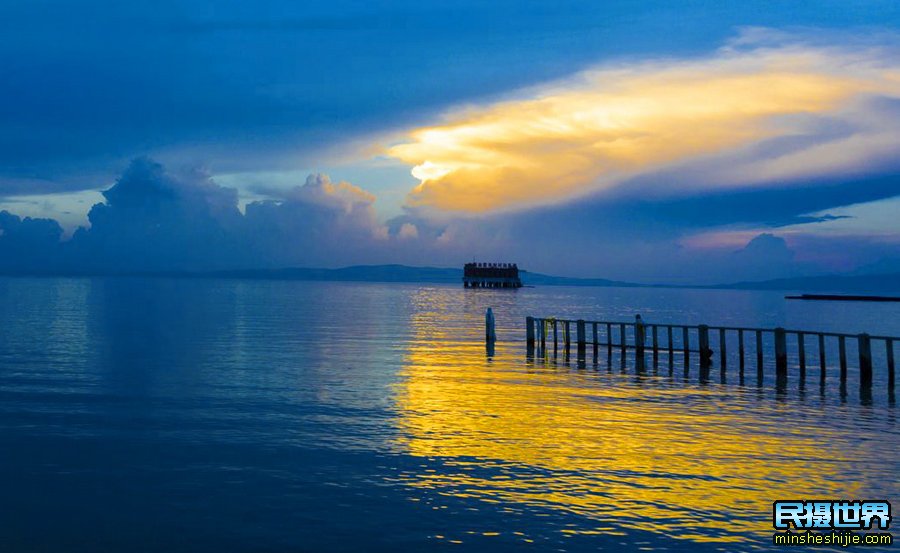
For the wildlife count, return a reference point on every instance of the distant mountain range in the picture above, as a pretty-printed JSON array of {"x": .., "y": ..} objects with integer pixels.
[
  {"x": 878, "y": 284},
  {"x": 863, "y": 284},
  {"x": 869, "y": 284},
  {"x": 404, "y": 273},
  {"x": 370, "y": 273}
]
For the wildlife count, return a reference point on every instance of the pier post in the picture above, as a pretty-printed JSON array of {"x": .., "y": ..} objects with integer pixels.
[
  {"x": 555, "y": 337},
  {"x": 723, "y": 358},
  {"x": 640, "y": 335},
  {"x": 822, "y": 359},
  {"x": 567, "y": 340},
  {"x": 759, "y": 353},
  {"x": 705, "y": 352},
  {"x": 580, "y": 337},
  {"x": 687, "y": 349},
  {"x": 865, "y": 360},
  {"x": 640, "y": 339},
  {"x": 889, "y": 347},
  {"x": 671, "y": 347},
  {"x": 741, "y": 352},
  {"x": 490, "y": 333},
  {"x": 842, "y": 353},
  {"x": 780, "y": 352},
  {"x": 623, "y": 341},
  {"x": 655, "y": 348},
  {"x": 543, "y": 327},
  {"x": 801, "y": 347},
  {"x": 608, "y": 345},
  {"x": 529, "y": 331}
]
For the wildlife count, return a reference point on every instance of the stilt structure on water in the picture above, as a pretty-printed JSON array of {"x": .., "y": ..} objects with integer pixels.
[{"x": 491, "y": 275}]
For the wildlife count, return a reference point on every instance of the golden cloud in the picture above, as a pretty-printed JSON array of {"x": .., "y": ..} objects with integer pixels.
[{"x": 594, "y": 131}]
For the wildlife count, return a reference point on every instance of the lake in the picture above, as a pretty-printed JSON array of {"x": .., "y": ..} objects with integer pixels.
[{"x": 141, "y": 414}]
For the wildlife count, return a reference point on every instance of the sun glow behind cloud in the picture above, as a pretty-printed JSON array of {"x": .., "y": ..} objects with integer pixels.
[{"x": 597, "y": 130}]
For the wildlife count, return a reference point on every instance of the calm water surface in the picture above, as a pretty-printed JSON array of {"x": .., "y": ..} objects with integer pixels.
[{"x": 225, "y": 415}]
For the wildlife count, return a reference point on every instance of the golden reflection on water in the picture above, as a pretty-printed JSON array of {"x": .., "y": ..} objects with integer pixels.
[{"x": 671, "y": 458}]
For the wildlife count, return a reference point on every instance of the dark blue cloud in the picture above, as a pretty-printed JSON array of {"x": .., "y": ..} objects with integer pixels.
[
  {"x": 29, "y": 245},
  {"x": 89, "y": 84},
  {"x": 769, "y": 206},
  {"x": 264, "y": 85},
  {"x": 639, "y": 235},
  {"x": 155, "y": 220}
]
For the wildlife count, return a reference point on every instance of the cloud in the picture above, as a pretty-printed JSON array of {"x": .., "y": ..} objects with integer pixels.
[
  {"x": 28, "y": 244},
  {"x": 408, "y": 230},
  {"x": 154, "y": 220},
  {"x": 244, "y": 88},
  {"x": 757, "y": 113},
  {"x": 319, "y": 223},
  {"x": 343, "y": 196},
  {"x": 765, "y": 256}
]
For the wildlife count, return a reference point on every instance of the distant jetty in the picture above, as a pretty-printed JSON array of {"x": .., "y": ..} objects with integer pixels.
[
  {"x": 842, "y": 297},
  {"x": 491, "y": 275}
]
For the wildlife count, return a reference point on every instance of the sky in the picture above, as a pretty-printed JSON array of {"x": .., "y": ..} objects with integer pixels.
[{"x": 657, "y": 141}]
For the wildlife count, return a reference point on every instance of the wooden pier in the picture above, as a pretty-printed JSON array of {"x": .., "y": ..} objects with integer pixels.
[{"x": 692, "y": 342}]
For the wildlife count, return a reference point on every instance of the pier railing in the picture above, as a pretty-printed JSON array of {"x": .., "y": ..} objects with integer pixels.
[{"x": 670, "y": 340}]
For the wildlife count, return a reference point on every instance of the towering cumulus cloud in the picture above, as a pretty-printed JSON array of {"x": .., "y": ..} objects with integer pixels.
[
  {"x": 828, "y": 108},
  {"x": 156, "y": 221},
  {"x": 320, "y": 222},
  {"x": 153, "y": 220}
]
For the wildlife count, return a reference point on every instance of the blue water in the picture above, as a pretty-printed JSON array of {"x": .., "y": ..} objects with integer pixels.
[{"x": 226, "y": 415}]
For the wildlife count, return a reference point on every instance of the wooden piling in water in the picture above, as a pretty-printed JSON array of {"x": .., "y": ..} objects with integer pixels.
[
  {"x": 842, "y": 353},
  {"x": 640, "y": 335},
  {"x": 567, "y": 340},
  {"x": 555, "y": 337},
  {"x": 705, "y": 352},
  {"x": 671, "y": 346},
  {"x": 741, "y": 352},
  {"x": 687, "y": 347},
  {"x": 655, "y": 348},
  {"x": 889, "y": 350},
  {"x": 490, "y": 332},
  {"x": 822, "y": 358},
  {"x": 543, "y": 330},
  {"x": 608, "y": 344},
  {"x": 596, "y": 338},
  {"x": 529, "y": 331},
  {"x": 780, "y": 352},
  {"x": 622, "y": 341},
  {"x": 723, "y": 356},
  {"x": 580, "y": 337},
  {"x": 865, "y": 360},
  {"x": 801, "y": 352},
  {"x": 759, "y": 355}
]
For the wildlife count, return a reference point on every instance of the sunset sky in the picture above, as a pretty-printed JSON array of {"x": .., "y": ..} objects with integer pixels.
[{"x": 689, "y": 142}]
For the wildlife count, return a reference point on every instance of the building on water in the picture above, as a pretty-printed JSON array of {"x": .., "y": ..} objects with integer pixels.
[{"x": 491, "y": 275}]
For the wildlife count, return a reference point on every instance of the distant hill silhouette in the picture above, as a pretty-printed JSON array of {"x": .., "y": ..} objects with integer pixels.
[
  {"x": 878, "y": 284},
  {"x": 538, "y": 279},
  {"x": 866, "y": 284},
  {"x": 403, "y": 273},
  {"x": 372, "y": 273}
]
